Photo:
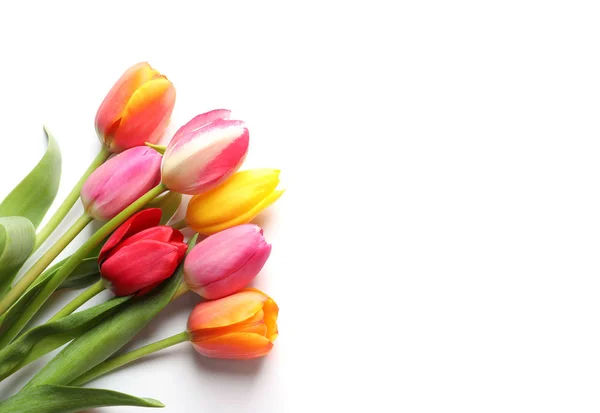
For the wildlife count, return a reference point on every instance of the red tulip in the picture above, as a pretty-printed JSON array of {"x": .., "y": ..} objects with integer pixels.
[{"x": 140, "y": 254}]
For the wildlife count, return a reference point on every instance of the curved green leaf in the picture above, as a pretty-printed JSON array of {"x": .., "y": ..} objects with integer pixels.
[
  {"x": 43, "y": 339},
  {"x": 65, "y": 399},
  {"x": 34, "y": 195},
  {"x": 17, "y": 238},
  {"x": 103, "y": 340},
  {"x": 168, "y": 203}
]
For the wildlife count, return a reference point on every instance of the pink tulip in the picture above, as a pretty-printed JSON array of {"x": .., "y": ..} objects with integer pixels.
[
  {"x": 226, "y": 262},
  {"x": 204, "y": 152},
  {"x": 120, "y": 181}
]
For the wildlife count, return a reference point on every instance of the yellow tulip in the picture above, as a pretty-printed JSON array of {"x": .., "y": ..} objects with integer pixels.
[{"x": 237, "y": 201}]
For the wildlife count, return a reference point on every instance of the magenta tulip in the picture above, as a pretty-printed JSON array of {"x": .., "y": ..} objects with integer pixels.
[
  {"x": 120, "y": 181},
  {"x": 226, "y": 262},
  {"x": 204, "y": 152}
]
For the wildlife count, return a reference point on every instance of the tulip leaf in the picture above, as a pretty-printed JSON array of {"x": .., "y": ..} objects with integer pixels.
[
  {"x": 47, "y": 337},
  {"x": 33, "y": 196},
  {"x": 168, "y": 203},
  {"x": 65, "y": 399},
  {"x": 17, "y": 238},
  {"x": 86, "y": 272},
  {"x": 103, "y": 340}
]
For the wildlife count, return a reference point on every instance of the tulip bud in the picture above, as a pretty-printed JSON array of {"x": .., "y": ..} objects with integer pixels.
[
  {"x": 204, "y": 152},
  {"x": 120, "y": 181},
  {"x": 140, "y": 254},
  {"x": 240, "y": 326},
  {"x": 226, "y": 262},
  {"x": 237, "y": 201},
  {"x": 136, "y": 110}
]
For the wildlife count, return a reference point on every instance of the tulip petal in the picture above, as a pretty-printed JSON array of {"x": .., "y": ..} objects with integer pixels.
[
  {"x": 226, "y": 311},
  {"x": 142, "y": 220},
  {"x": 238, "y": 346},
  {"x": 201, "y": 159},
  {"x": 146, "y": 114},
  {"x": 270, "y": 319},
  {"x": 120, "y": 181},
  {"x": 242, "y": 219},
  {"x": 226, "y": 262},
  {"x": 110, "y": 111},
  {"x": 162, "y": 233},
  {"x": 139, "y": 265},
  {"x": 182, "y": 248},
  {"x": 239, "y": 194},
  {"x": 198, "y": 122}
]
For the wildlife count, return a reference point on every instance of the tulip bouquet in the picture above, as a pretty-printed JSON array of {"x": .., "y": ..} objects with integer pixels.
[{"x": 134, "y": 186}]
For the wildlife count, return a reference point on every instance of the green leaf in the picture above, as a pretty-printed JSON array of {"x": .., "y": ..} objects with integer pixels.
[
  {"x": 43, "y": 339},
  {"x": 64, "y": 399},
  {"x": 34, "y": 195},
  {"x": 86, "y": 273},
  {"x": 107, "y": 337},
  {"x": 169, "y": 203},
  {"x": 81, "y": 275},
  {"x": 17, "y": 238}
]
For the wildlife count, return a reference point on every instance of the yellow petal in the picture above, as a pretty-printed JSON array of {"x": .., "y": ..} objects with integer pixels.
[
  {"x": 237, "y": 195},
  {"x": 241, "y": 219}
]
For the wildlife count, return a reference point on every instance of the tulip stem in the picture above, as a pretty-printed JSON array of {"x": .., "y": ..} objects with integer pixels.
[
  {"x": 179, "y": 224},
  {"x": 70, "y": 200},
  {"x": 74, "y": 260},
  {"x": 126, "y": 358},
  {"x": 34, "y": 272},
  {"x": 80, "y": 300}
]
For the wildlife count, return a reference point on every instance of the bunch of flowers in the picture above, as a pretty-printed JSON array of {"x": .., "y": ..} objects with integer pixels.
[{"x": 135, "y": 187}]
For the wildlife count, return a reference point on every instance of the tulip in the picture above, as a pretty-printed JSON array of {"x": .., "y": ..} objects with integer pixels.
[
  {"x": 226, "y": 262},
  {"x": 204, "y": 152},
  {"x": 240, "y": 326},
  {"x": 140, "y": 254},
  {"x": 241, "y": 198},
  {"x": 120, "y": 181},
  {"x": 136, "y": 110}
]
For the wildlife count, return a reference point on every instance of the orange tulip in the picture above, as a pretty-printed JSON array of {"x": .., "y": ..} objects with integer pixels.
[
  {"x": 136, "y": 110},
  {"x": 240, "y": 326}
]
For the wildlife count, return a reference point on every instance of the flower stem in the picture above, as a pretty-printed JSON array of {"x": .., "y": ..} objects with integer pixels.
[
  {"x": 70, "y": 200},
  {"x": 78, "y": 301},
  {"x": 67, "y": 268},
  {"x": 31, "y": 275},
  {"x": 126, "y": 358},
  {"x": 179, "y": 224}
]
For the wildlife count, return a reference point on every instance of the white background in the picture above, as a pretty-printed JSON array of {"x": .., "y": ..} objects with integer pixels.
[{"x": 437, "y": 246}]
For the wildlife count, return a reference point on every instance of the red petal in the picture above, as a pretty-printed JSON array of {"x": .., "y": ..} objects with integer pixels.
[
  {"x": 140, "y": 265},
  {"x": 176, "y": 236},
  {"x": 181, "y": 249},
  {"x": 144, "y": 219}
]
